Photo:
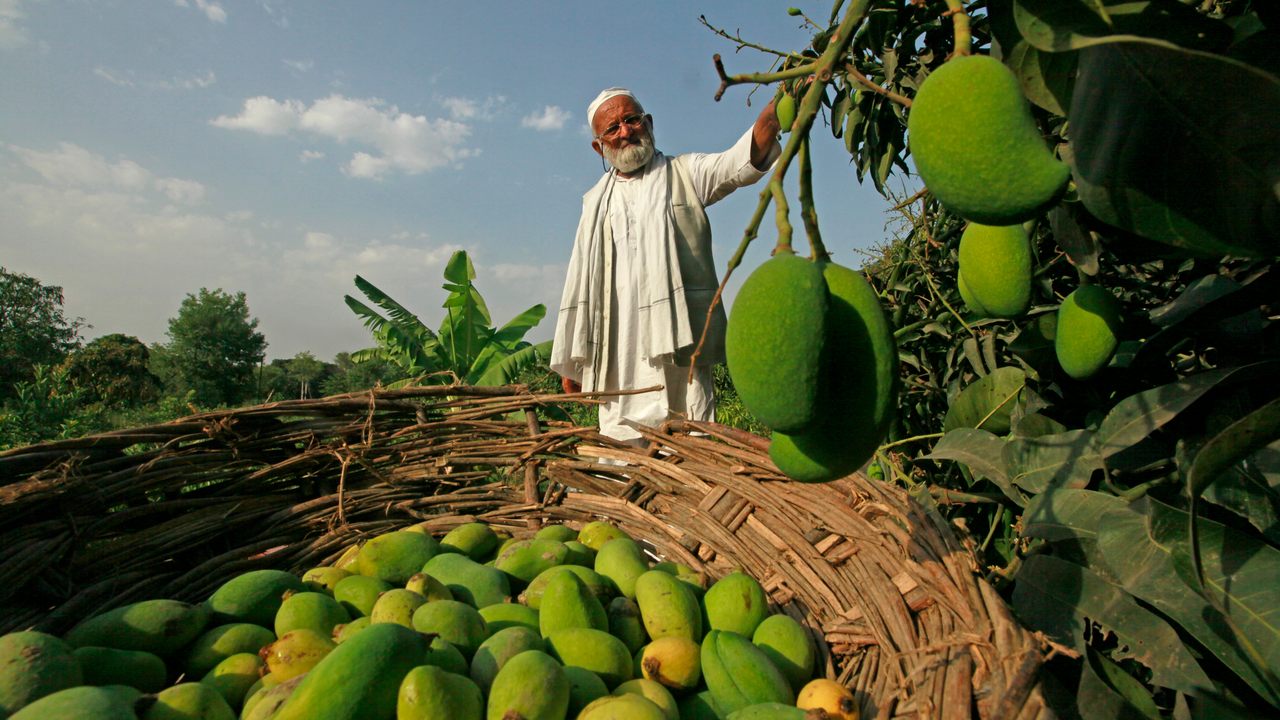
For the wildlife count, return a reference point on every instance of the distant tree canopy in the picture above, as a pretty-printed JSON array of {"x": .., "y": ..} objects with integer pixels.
[
  {"x": 214, "y": 347},
  {"x": 33, "y": 329},
  {"x": 113, "y": 370}
]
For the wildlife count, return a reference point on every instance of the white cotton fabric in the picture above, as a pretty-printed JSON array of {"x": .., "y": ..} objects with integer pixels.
[
  {"x": 623, "y": 290},
  {"x": 604, "y": 95}
]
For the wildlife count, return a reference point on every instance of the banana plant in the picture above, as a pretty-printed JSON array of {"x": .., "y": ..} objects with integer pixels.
[{"x": 465, "y": 345}]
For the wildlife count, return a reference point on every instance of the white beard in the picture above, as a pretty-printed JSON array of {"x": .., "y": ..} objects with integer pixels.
[{"x": 631, "y": 158}]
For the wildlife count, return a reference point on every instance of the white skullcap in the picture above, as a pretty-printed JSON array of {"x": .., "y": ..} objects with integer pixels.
[{"x": 605, "y": 95}]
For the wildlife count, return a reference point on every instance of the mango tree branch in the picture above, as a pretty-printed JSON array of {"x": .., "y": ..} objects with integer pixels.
[
  {"x": 808, "y": 212},
  {"x": 805, "y": 114},
  {"x": 781, "y": 215},
  {"x": 875, "y": 86},
  {"x": 960, "y": 26},
  {"x": 745, "y": 44},
  {"x": 727, "y": 80}
]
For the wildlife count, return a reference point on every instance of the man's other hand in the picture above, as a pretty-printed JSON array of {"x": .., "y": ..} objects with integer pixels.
[{"x": 570, "y": 386}]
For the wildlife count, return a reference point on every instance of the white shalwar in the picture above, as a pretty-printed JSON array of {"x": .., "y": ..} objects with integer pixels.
[{"x": 629, "y": 338}]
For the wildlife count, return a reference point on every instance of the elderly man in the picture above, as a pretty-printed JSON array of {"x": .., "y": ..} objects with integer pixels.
[{"x": 641, "y": 277}]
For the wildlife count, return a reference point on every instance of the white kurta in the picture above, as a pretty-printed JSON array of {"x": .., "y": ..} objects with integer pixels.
[{"x": 635, "y": 215}]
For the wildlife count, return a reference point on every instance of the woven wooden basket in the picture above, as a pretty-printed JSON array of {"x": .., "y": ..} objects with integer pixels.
[{"x": 888, "y": 587}]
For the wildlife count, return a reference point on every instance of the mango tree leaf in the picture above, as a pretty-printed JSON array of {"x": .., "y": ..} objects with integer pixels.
[
  {"x": 1034, "y": 342},
  {"x": 1136, "y": 417},
  {"x": 980, "y": 451},
  {"x": 1066, "y": 512},
  {"x": 1107, "y": 691},
  {"x": 1047, "y": 79},
  {"x": 1243, "y": 489},
  {"x": 1061, "y": 460},
  {"x": 1036, "y": 425},
  {"x": 1241, "y": 439},
  {"x": 1144, "y": 544},
  {"x": 1060, "y": 25},
  {"x": 1076, "y": 241},
  {"x": 1218, "y": 193},
  {"x": 988, "y": 402},
  {"x": 1060, "y": 598},
  {"x": 1201, "y": 311}
]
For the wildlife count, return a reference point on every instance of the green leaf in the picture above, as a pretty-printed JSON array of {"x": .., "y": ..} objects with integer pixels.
[
  {"x": 1107, "y": 691},
  {"x": 1034, "y": 342},
  {"x": 988, "y": 403},
  {"x": 1075, "y": 241},
  {"x": 459, "y": 269},
  {"x": 1240, "y": 440},
  {"x": 1047, "y": 79},
  {"x": 504, "y": 370},
  {"x": 1217, "y": 193},
  {"x": 980, "y": 451},
  {"x": 1136, "y": 417},
  {"x": 1145, "y": 543},
  {"x": 1060, "y": 25},
  {"x": 395, "y": 311},
  {"x": 1062, "y": 460},
  {"x": 517, "y": 326},
  {"x": 1035, "y": 425},
  {"x": 1061, "y": 598},
  {"x": 1066, "y": 513}
]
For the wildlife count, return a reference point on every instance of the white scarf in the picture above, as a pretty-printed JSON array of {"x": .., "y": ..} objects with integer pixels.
[{"x": 579, "y": 346}]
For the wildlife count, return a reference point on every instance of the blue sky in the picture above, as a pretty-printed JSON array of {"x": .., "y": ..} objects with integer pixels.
[{"x": 149, "y": 148}]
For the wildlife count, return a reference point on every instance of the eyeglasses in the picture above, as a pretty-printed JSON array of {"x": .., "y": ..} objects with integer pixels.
[{"x": 632, "y": 121}]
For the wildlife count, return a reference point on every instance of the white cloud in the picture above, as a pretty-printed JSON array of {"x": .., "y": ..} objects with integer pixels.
[
  {"x": 469, "y": 109},
  {"x": 186, "y": 192},
  {"x": 113, "y": 77},
  {"x": 300, "y": 65},
  {"x": 190, "y": 83},
  {"x": 408, "y": 143},
  {"x": 13, "y": 34},
  {"x": 264, "y": 116},
  {"x": 71, "y": 166},
  {"x": 309, "y": 155},
  {"x": 211, "y": 10},
  {"x": 127, "y": 79},
  {"x": 552, "y": 117}
]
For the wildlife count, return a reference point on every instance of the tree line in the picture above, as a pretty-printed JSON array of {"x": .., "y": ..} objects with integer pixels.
[{"x": 55, "y": 384}]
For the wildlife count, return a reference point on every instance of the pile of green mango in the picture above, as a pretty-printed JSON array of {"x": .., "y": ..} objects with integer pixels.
[
  {"x": 475, "y": 625},
  {"x": 812, "y": 355}
]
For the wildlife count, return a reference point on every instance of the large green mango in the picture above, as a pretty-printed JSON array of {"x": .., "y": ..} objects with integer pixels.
[
  {"x": 156, "y": 626},
  {"x": 977, "y": 147},
  {"x": 774, "y": 340},
  {"x": 360, "y": 679},
  {"x": 739, "y": 674},
  {"x": 469, "y": 581},
  {"x": 253, "y": 597},
  {"x": 1088, "y": 331},
  {"x": 996, "y": 262},
  {"x": 86, "y": 702},
  {"x": 33, "y": 665},
  {"x": 144, "y": 671},
  {"x": 530, "y": 686},
  {"x": 429, "y": 693},
  {"x": 860, "y": 385}
]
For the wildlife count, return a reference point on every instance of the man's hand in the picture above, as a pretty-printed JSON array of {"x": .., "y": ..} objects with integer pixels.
[
  {"x": 764, "y": 136},
  {"x": 570, "y": 386}
]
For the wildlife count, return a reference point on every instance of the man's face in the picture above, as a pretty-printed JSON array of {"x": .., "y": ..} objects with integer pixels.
[{"x": 624, "y": 134}]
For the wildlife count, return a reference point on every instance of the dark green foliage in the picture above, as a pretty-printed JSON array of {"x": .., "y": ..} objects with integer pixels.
[
  {"x": 214, "y": 348},
  {"x": 1133, "y": 515},
  {"x": 33, "y": 329},
  {"x": 465, "y": 349},
  {"x": 113, "y": 370}
]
